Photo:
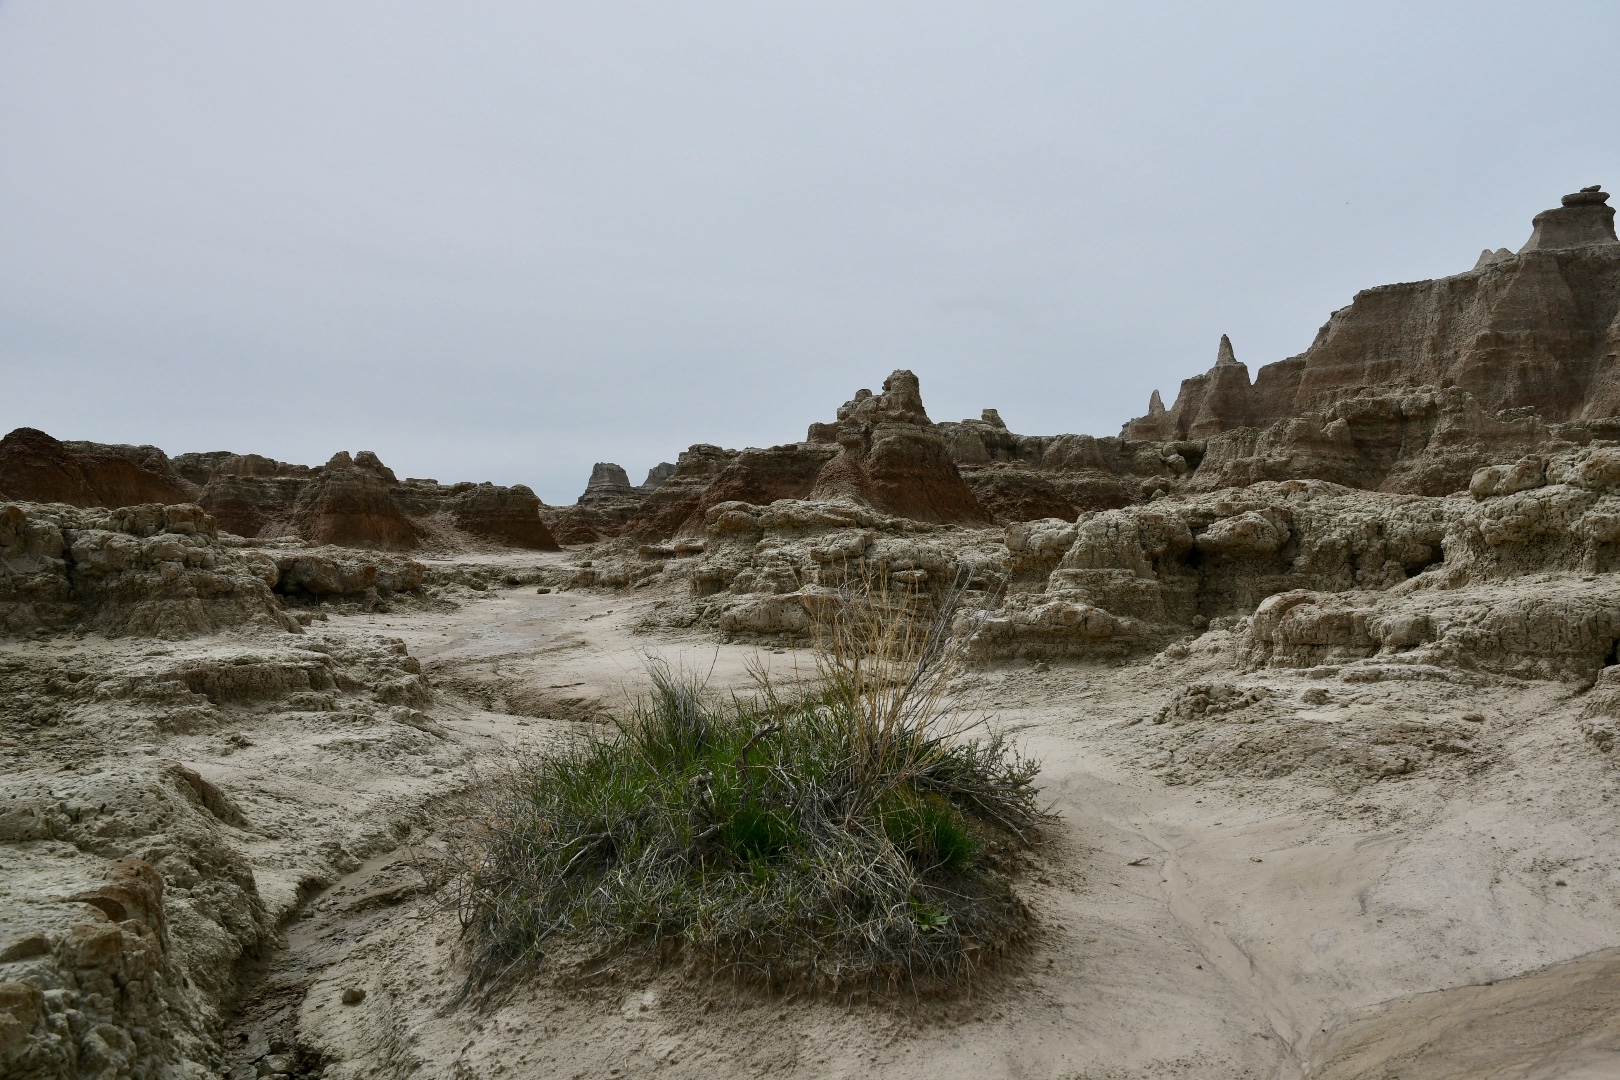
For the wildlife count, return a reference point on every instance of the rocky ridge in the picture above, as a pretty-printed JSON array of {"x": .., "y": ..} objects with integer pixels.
[
  {"x": 351, "y": 501},
  {"x": 1410, "y": 389}
]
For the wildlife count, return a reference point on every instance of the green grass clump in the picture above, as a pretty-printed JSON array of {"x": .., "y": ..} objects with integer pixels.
[{"x": 838, "y": 836}]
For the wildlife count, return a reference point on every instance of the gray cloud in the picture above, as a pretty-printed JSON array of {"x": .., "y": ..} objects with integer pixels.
[{"x": 505, "y": 243}]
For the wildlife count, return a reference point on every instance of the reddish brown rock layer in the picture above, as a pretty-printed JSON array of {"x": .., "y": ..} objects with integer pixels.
[
  {"x": 894, "y": 458},
  {"x": 509, "y": 514},
  {"x": 351, "y": 507},
  {"x": 38, "y": 468},
  {"x": 677, "y": 502}
]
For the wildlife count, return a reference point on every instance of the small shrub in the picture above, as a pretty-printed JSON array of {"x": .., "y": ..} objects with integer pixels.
[{"x": 827, "y": 835}]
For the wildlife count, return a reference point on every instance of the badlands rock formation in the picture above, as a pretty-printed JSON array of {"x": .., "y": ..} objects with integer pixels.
[
  {"x": 606, "y": 505},
  {"x": 893, "y": 458},
  {"x": 1410, "y": 389},
  {"x": 882, "y": 452},
  {"x": 1323, "y": 668},
  {"x": 1414, "y": 386},
  {"x": 350, "y": 501},
  {"x": 151, "y": 570},
  {"x": 348, "y": 504},
  {"x": 34, "y": 466}
]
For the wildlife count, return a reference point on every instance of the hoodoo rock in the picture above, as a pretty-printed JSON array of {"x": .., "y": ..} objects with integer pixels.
[
  {"x": 894, "y": 458},
  {"x": 1583, "y": 218},
  {"x": 38, "y": 468}
]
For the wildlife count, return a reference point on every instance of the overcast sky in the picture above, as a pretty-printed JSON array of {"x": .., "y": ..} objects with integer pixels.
[{"x": 504, "y": 241}]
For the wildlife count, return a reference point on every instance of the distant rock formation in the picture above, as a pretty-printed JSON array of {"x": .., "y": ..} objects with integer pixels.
[
  {"x": 1028, "y": 477},
  {"x": 349, "y": 504},
  {"x": 882, "y": 451},
  {"x": 657, "y": 475},
  {"x": 352, "y": 501},
  {"x": 667, "y": 508},
  {"x": 38, "y": 468},
  {"x": 893, "y": 458},
  {"x": 607, "y": 483},
  {"x": 511, "y": 514},
  {"x": 1413, "y": 386},
  {"x": 248, "y": 495}
]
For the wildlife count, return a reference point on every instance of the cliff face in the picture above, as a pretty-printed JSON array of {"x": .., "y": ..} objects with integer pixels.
[
  {"x": 1413, "y": 386},
  {"x": 1533, "y": 330}
]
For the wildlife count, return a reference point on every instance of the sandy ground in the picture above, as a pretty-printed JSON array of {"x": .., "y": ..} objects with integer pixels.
[
  {"x": 1284, "y": 874},
  {"x": 1206, "y": 921}
]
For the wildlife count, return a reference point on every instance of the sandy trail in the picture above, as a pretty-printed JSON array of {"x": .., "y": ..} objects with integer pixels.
[{"x": 1274, "y": 929}]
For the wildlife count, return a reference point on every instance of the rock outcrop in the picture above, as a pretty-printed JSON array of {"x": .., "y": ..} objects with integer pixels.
[
  {"x": 349, "y": 504},
  {"x": 679, "y": 499},
  {"x": 1404, "y": 586},
  {"x": 248, "y": 495},
  {"x": 507, "y": 515},
  {"x": 608, "y": 482},
  {"x": 1409, "y": 389},
  {"x": 657, "y": 475},
  {"x": 37, "y": 468},
  {"x": 1582, "y": 218},
  {"x": 357, "y": 502},
  {"x": 123, "y": 960},
  {"x": 893, "y": 458},
  {"x": 350, "y": 501},
  {"x": 150, "y": 570},
  {"x": 1029, "y": 477},
  {"x": 511, "y": 514},
  {"x": 1536, "y": 329},
  {"x": 882, "y": 452},
  {"x": 1413, "y": 386}
]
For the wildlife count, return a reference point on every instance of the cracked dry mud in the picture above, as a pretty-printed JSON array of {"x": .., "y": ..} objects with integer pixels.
[{"x": 1266, "y": 873}]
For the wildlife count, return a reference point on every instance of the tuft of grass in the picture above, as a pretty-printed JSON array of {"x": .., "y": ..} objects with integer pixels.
[{"x": 836, "y": 835}]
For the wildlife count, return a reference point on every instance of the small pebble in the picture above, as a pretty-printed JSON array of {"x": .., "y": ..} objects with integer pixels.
[{"x": 353, "y": 996}]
